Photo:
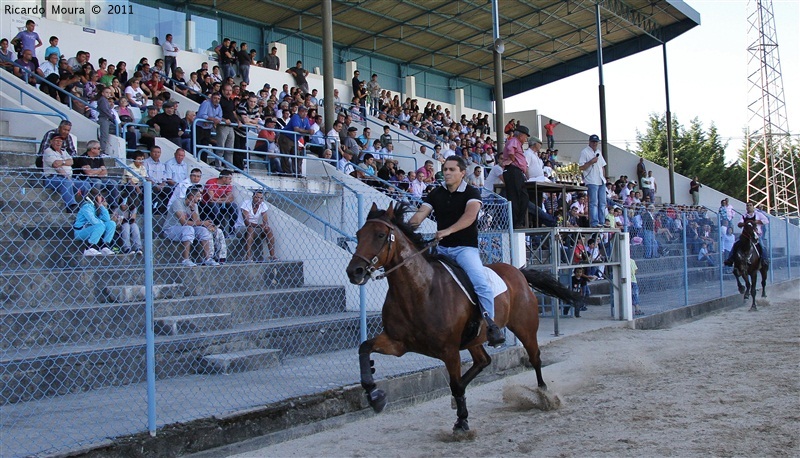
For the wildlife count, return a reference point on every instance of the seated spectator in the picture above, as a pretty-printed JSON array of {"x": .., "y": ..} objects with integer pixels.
[
  {"x": 187, "y": 124},
  {"x": 6, "y": 55},
  {"x": 707, "y": 236},
  {"x": 369, "y": 165},
  {"x": 135, "y": 95},
  {"x": 218, "y": 202},
  {"x": 94, "y": 226},
  {"x": 132, "y": 185},
  {"x": 476, "y": 177},
  {"x": 389, "y": 171},
  {"x": 253, "y": 220},
  {"x": 27, "y": 68},
  {"x": 91, "y": 168},
  {"x": 418, "y": 186},
  {"x": 345, "y": 164},
  {"x": 125, "y": 217},
  {"x": 267, "y": 144},
  {"x": 57, "y": 168},
  {"x": 426, "y": 173},
  {"x": 184, "y": 225},
  {"x": 703, "y": 255},
  {"x": 49, "y": 69},
  {"x": 157, "y": 175}
]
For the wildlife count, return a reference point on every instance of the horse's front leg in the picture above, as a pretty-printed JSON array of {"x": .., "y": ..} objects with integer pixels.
[
  {"x": 453, "y": 365},
  {"x": 380, "y": 344},
  {"x": 738, "y": 283},
  {"x": 763, "y": 282}
]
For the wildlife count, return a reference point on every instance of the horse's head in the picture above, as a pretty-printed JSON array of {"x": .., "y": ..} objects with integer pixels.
[
  {"x": 749, "y": 230},
  {"x": 376, "y": 241}
]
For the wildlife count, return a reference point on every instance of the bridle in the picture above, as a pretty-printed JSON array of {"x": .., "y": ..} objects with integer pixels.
[{"x": 372, "y": 264}]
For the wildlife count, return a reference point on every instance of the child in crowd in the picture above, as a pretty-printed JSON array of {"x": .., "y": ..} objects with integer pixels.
[
  {"x": 703, "y": 255},
  {"x": 580, "y": 285},
  {"x": 635, "y": 289},
  {"x": 128, "y": 230}
]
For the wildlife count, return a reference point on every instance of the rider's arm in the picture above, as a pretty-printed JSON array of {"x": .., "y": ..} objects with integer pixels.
[
  {"x": 420, "y": 215},
  {"x": 469, "y": 217}
]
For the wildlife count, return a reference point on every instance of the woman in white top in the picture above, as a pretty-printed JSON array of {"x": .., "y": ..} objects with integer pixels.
[{"x": 135, "y": 95}]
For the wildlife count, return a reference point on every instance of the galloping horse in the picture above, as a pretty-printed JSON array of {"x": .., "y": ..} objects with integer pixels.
[
  {"x": 747, "y": 263},
  {"x": 426, "y": 312}
]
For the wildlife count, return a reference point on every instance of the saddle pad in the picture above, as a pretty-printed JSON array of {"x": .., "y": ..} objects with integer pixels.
[{"x": 497, "y": 283}]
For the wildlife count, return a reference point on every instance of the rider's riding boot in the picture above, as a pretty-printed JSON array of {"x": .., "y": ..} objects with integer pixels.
[
  {"x": 729, "y": 262},
  {"x": 494, "y": 336}
]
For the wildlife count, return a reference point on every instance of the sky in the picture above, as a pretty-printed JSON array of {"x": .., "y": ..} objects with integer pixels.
[{"x": 707, "y": 80}]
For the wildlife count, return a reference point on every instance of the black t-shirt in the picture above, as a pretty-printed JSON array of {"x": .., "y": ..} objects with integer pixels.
[
  {"x": 448, "y": 208},
  {"x": 170, "y": 125},
  {"x": 243, "y": 56},
  {"x": 228, "y": 108},
  {"x": 92, "y": 162}
]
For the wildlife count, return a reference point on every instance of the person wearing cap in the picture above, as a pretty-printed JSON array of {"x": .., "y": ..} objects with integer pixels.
[
  {"x": 591, "y": 163},
  {"x": 147, "y": 135},
  {"x": 351, "y": 145},
  {"x": 515, "y": 168},
  {"x": 456, "y": 206},
  {"x": 297, "y": 127},
  {"x": 267, "y": 143},
  {"x": 168, "y": 124}
]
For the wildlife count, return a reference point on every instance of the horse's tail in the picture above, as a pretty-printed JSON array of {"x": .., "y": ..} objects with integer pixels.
[{"x": 549, "y": 285}]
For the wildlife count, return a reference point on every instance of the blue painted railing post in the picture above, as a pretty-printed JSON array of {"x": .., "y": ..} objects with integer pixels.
[
  {"x": 685, "y": 263},
  {"x": 362, "y": 290},
  {"x": 511, "y": 242},
  {"x": 720, "y": 259},
  {"x": 788, "y": 250},
  {"x": 148, "y": 300},
  {"x": 768, "y": 251}
]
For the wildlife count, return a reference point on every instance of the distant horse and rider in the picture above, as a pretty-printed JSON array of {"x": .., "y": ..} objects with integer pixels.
[
  {"x": 427, "y": 312},
  {"x": 748, "y": 258}
]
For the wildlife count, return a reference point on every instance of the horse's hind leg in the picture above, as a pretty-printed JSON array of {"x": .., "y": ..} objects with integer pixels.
[
  {"x": 380, "y": 344},
  {"x": 525, "y": 325},
  {"x": 764, "y": 282}
]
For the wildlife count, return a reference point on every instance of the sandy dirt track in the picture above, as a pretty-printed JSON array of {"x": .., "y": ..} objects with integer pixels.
[{"x": 725, "y": 385}]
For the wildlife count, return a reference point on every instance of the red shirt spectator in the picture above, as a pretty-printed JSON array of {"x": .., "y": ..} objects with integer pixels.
[{"x": 216, "y": 191}]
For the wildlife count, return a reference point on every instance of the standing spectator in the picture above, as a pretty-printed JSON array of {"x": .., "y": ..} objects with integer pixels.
[
  {"x": 374, "y": 92},
  {"x": 356, "y": 82},
  {"x": 57, "y": 168},
  {"x": 157, "y": 175},
  {"x": 726, "y": 212},
  {"x": 184, "y": 225},
  {"x": 635, "y": 289},
  {"x": 273, "y": 62},
  {"x": 29, "y": 40},
  {"x": 170, "y": 56},
  {"x": 210, "y": 112},
  {"x": 694, "y": 190},
  {"x": 727, "y": 239},
  {"x": 125, "y": 218},
  {"x": 648, "y": 186},
  {"x": 106, "y": 118},
  {"x": 515, "y": 168},
  {"x": 299, "y": 73},
  {"x": 648, "y": 229},
  {"x": 225, "y": 132},
  {"x": 287, "y": 141},
  {"x": 243, "y": 59},
  {"x": 549, "y": 130},
  {"x": 641, "y": 172},
  {"x": 591, "y": 162},
  {"x": 91, "y": 168},
  {"x": 53, "y": 48},
  {"x": 93, "y": 224},
  {"x": 254, "y": 221}
]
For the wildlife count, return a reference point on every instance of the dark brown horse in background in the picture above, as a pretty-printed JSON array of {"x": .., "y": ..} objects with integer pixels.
[
  {"x": 426, "y": 312},
  {"x": 747, "y": 263}
]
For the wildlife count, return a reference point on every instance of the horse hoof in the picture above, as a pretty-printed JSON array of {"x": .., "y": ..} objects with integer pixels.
[
  {"x": 754, "y": 309},
  {"x": 377, "y": 400},
  {"x": 741, "y": 290},
  {"x": 461, "y": 426}
]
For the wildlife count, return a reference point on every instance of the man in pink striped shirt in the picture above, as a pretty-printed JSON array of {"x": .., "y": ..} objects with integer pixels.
[{"x": 514, "y": 174}]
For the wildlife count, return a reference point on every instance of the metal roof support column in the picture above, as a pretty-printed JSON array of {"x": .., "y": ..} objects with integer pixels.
[
  {"x": 327, "y": 65},
  {"x": 497, "y": 52},
  {"x": 669, "y": 130},
  {"x": 601, "y": 87}
]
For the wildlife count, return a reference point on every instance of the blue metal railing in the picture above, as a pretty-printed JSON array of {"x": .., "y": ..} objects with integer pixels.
[{"x": 70, "y": 96}]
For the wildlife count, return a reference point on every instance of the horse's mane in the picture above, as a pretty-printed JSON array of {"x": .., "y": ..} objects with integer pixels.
[{"x": 399, "y": 220}]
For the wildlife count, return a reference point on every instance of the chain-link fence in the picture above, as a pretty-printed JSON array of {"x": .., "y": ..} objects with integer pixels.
[{"x": 117, "y": 318}]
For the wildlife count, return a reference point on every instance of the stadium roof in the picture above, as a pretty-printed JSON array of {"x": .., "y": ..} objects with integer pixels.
[{"x": 545, "y": 40}]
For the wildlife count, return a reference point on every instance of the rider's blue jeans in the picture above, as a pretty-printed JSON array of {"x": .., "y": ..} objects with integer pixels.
[{"x": 469, "y": 258}]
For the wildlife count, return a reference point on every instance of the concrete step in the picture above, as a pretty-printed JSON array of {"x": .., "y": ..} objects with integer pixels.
[
  {"x": 598, "y": 299},
  {"x": 136, "y": 293},
  {"x": 61, "y": 370},
  {"x": 43, "y": 288},
  {"x": 42, "y": 327},
  {"x": 17, "y": 151},
  {"x": 188, "y": 324},
  {"x": 239, "y": 361}
]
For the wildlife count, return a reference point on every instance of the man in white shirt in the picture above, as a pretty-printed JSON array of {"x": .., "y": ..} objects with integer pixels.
[
  {"x": 177, "y": 168},
  {"x": 535, "y": 170},
  {"x": 170, "y": 56},
  {"x": 157, "y": 174},
  {"x": 591, "y": 163},
  {"x": 254, "y": 221}
]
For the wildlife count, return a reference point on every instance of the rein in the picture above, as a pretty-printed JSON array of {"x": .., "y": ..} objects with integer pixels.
[{"x": 388, "y": 246}]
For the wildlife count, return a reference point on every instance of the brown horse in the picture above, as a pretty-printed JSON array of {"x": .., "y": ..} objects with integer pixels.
[
  {"x": 426, "y": 312},
  {"x": 747, "y": 263}
]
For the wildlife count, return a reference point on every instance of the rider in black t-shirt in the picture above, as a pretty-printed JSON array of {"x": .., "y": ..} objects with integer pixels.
[{"x": 456, "y": 206}]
